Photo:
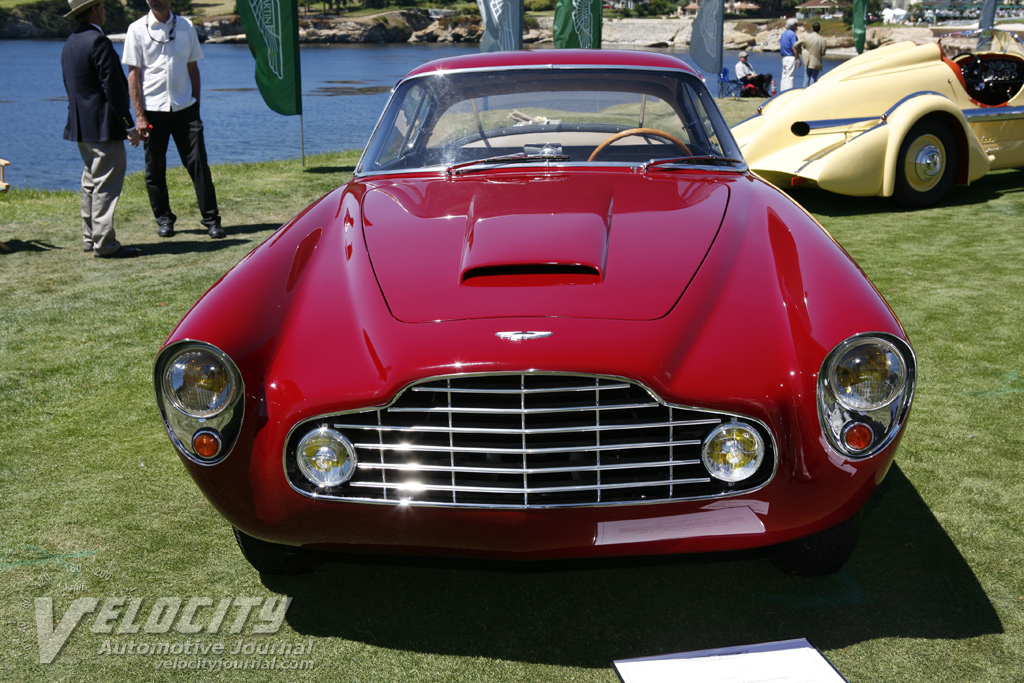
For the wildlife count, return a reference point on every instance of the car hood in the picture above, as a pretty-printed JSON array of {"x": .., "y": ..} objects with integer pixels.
[{"x": 591, "y": 244}]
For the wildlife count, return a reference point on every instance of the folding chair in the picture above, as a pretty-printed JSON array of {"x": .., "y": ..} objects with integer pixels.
[{"x": 728, "y": 87}]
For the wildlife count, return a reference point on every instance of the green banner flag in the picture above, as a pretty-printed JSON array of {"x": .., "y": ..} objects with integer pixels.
[
  {"x": 706, "y": 39},
  {"x": 503, "y": 25},
  {"x": 860, "y": 10},
  {"x": 578, "y": 23},
  {"x": 272, "y": 31}
]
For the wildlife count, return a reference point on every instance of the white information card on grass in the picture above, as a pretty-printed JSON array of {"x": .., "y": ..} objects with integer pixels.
[{"x": 787, "y": 661}]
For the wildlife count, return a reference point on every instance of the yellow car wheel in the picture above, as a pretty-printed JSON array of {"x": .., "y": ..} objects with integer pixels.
[{"x": 926, "y": 166}]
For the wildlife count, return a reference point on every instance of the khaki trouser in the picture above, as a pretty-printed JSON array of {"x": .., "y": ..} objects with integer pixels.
[{"x": 102, "y": 179}]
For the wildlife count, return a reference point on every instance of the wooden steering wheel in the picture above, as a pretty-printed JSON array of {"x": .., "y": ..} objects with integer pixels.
[{"x": 639, "y": 131}]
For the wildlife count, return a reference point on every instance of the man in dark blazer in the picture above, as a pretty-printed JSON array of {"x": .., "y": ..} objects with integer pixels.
[{"x": 99, "y": 120}]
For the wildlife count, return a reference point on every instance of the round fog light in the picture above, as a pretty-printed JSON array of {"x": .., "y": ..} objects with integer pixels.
[
  {"x": 326, "y": 458},
  {"x": 732, "y": 452}
]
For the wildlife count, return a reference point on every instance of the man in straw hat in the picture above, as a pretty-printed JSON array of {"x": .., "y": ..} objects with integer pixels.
[{"x": 99, "y": 120}]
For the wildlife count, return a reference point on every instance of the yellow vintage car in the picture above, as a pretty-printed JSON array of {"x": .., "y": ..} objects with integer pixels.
[{"x": 905, "y": 121}]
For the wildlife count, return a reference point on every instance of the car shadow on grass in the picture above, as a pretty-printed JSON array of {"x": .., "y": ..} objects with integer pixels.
[
  {"x": 905, "y": 579},
  {"x": 329, "y": 170},
  {"x": 990, "y": 187}
]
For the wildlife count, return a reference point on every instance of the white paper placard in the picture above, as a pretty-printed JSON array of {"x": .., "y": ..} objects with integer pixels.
[
  {"x": 787, "y": 661},
  {"x": 724, "y": 522}
]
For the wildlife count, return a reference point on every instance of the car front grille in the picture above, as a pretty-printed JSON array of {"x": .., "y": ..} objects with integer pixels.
[{"x": 524, "y": 441}]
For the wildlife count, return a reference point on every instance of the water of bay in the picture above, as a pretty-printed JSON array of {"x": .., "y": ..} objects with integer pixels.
[{"x": 344, "y": 89}]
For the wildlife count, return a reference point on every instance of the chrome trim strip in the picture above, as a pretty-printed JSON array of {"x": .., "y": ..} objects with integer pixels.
[
  {"x": 803, "y": 128},
  {"x": 919, "y": 93},
  {"x": 589, "y": 165},
  {"x": 683, "y": 69},
  {"x": 994, "y": 114}
]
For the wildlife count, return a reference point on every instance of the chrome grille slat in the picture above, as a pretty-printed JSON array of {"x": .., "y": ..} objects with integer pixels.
[
  {"x": 523, "y": 441},
  {"x": 529, "y": 451},
  {"x": 524, "y": 411},
  {"x": 516, "y": 470},
  {"x": 582, "y": 387},
  {"x": 528, "y": 432},
  {"x": 536, "y": 490}
]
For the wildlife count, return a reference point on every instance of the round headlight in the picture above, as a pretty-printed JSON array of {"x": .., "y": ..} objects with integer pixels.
[
  {"x": 326, "y": 458},
  {"x": 732, "y": 452},
  {"x": 867, "y": 375},
  {"x": 199, "y": 383}
]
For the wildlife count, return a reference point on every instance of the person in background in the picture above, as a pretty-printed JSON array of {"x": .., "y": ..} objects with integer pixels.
[
  {"x": 790, "y": 59},
  {"x": 746, "y": 73},
  {"x": 99, "y": 120},
  {"x": 161, "y": 51},
  {"x": 812, "y": 48}
]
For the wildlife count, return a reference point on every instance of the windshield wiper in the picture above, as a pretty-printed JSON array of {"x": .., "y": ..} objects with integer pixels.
[
  {"x": 518, "y": 158},
  {"x": 688, "y": 160}
]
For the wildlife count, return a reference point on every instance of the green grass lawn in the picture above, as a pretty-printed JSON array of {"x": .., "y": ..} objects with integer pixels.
[{"x": 94, "y": 502}]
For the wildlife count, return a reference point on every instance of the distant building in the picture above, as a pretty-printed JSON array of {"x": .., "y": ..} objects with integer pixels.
[
  {"x": 731, "y": 7},
  {"x": 820, "y": 8}
]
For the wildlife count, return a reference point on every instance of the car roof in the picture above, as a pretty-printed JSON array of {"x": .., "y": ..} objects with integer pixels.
[{"x": 554, "y": 58}]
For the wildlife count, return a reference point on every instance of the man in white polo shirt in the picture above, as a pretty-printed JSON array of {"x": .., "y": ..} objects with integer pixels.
[{"x": 161, "y": 51}]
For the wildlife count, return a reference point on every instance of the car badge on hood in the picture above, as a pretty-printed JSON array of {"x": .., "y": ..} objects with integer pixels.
[{"x": 522, "y": 336}]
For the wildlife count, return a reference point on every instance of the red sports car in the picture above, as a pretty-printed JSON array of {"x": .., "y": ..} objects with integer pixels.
[{"x": 552, "y": 316}]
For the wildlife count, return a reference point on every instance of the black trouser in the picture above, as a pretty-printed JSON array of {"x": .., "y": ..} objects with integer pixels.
[
  {"x": 186, "y": 128},
  {"x": 760, "y": 81}
]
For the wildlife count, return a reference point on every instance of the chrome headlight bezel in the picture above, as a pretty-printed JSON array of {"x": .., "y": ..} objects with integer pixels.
[
  {"x": 339, "y": 457},
  {"x": 183, "y": 422},
  {"x": 733, "y": 433},
  {"x": 839, "y": 408}
]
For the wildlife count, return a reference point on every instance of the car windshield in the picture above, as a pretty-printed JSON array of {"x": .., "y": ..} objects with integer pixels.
[
  {"x": 462, "y": 121},
  {"x": 959, "y": 43}
]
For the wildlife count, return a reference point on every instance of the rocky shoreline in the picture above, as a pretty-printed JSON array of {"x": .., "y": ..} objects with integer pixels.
[
  {"x": 446, "y": 26},
  {"x": 419, "y": 26}
]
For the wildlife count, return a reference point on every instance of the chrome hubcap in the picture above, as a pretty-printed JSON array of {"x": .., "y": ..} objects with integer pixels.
[{"x": 928, "y": 163}]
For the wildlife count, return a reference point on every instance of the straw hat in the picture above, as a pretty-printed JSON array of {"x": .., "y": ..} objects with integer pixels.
[{"x": 80, "y": 6}]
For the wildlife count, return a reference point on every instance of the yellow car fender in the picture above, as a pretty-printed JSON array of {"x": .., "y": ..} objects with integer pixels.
[
  {"x": 972, "y": 162},
  {"x": 856, "y": 168}
]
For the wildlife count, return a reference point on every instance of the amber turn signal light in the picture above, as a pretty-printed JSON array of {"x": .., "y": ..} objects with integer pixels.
[
  {"x": 206, "y": 444},
  {"x": 858, "y": 437}
]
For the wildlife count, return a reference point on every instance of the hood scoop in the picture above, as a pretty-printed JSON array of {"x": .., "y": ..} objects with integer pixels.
[
  {"x": 534, "y": 250},
  {"x": 589, "y": 245}
]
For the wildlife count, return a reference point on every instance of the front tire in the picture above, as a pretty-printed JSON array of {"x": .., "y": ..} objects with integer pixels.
[
  {"x": 822, "y": 553},
  {"x": 274, "y": 558},
  {"x": 926, "y": 165}
]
